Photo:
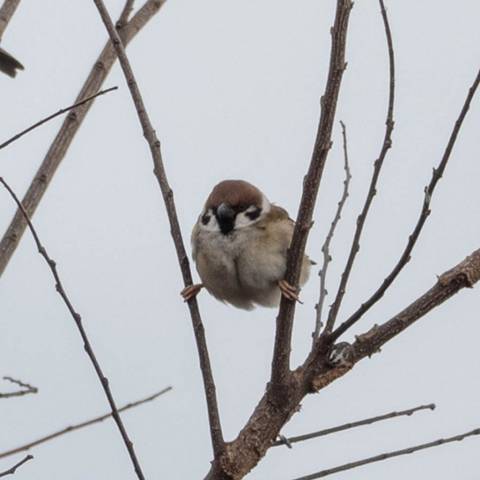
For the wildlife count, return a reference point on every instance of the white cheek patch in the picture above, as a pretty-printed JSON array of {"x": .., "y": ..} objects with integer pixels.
[
  {"x": 208, "y": 221},
  {"x": 243, "y": 219}
]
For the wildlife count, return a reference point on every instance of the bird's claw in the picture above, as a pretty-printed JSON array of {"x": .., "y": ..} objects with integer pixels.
[
  {"x": 191, "y": 291},
  {"x": 288, "y": 291}
]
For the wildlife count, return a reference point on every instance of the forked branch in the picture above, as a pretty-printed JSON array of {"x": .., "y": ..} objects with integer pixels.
[
  {"x": 424, "y": 214},
  {"x": 26, "y": 388},
  {"x": 372, "y": 190},
  {"x": 281, "y": 355}
]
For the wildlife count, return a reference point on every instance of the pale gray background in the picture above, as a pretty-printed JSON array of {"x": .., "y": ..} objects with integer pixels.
[{"x": 233, "y": 90}]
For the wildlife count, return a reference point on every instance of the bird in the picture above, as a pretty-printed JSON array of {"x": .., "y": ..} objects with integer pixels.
[
  {"x": 9, "y": 64},
  {"x": 239, "y": 244}
]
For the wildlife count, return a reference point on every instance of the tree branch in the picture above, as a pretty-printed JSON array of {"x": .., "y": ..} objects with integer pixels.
[
  {"x": 167, "y": 193},
  {"x": 53, "y": 115},
  {"x": 387, "y": 143},
  {"x": 27, "y": 388},
  {"x": 84, "y": 424},
  {"x": 281, "y": 355},
  {"x": 424, "y": 213},
  {"x": 68, "y": 130},
  {"x": 348, "y": 426},
  {"x": 86, "y": 342},
  {"x": 388, "y": 455},
  {"x": 326, "y": 246},
  {"x": 13, "y": 469},
  {"x": 6, "y": 13}
]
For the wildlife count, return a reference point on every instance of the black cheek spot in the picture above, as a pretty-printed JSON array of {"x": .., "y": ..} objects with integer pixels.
[
  {"x": 254, "y": 215},
  {"x": 205, "y": 219}
]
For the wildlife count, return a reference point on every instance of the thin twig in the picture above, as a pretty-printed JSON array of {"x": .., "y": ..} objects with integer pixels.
[
  {"x": 12, "y": 470},
  {"x": 372, "y": 190},
  {"x": 424, "y": 214},
  {"x": 70, "y": 126},
  {"x": 388, "y": 455},
  {"x": 159, "y": 170},
  {"x": 27, "y": 388},
  {"x": 281, "y": 374},
  {"x": 125, "y": 15},
  {"x": 84, "y": 424},
  {"x": 348, "y": 426},
  {"x": 327, "y": 258},
  {"x": 6, "y": 13},
  {"x": 53, "y": 115},
  {"x": 86, "y": 342}
]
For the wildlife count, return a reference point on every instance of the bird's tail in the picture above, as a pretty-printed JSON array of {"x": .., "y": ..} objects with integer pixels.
[{"x": 9, "y": 64}]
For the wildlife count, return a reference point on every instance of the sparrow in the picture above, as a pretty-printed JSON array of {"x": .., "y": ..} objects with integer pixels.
[
  {"x": 9, "y": 64},
  {"x": 239, "y": 244}
]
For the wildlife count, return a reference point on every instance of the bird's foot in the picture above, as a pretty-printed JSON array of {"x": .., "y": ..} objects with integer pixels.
[
  {"x": 288, "y": 291},
  {"x": 191, "y": 291}
]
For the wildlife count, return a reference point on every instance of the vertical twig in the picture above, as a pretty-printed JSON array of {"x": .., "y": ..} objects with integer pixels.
[
  {"x": 327, "y": 258},
  {"x": 387, "y": 143},
  {"x": 281, "y": 355},
  {"x": 78, "y": 322},
  {"x": 167, "y": 193}
]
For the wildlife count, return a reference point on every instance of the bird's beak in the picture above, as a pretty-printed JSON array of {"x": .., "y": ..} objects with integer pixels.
[{"x": 226, "y": 218}]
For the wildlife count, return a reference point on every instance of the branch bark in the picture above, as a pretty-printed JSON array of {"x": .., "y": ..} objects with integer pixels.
[
  {"x": 13, "y": 469},
  {"x": 6, "y": 13},
  {"x": 58, "y": 149},
  {"x": 281, "y": 375},
  {"x": 167, "y": 193}
]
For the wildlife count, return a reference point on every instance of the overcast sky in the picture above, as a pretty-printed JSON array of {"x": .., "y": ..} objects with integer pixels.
[{"x": 233, "y": 90}]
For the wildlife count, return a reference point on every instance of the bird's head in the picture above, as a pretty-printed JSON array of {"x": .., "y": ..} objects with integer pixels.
[{"x": 232, "y": 205}]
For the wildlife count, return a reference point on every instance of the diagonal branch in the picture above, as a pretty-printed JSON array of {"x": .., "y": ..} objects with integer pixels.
[
  {"x": 388, "y": 455},
  {"x": 86, "y": 342},
  {"x": 327, "y": 258},
  {"x": 78, "y": 426},
  {"x": 70, "y": 126},
  {"x": 372, "y": 190},
  {"x": 53, "y": 115},
  {"x": 159, "y": 170},
  {"x": 348, "y": 426},
  {"x": 13, "y": 469},
  {"x": 6, "y": 13},
  {"x": 281, "y": 355},
  {"x": 26, "y": 388},
  {"x": 424, "y": 213}
]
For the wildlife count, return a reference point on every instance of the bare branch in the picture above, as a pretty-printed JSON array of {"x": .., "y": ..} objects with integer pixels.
[
  {"x": 53, "y": 115},
  {"x": 281, "y": 355},
  {"x": 86, "y": 342},
  {"x": 27, "y": 388},
  {"x": 326, "y": 246},
  {"x": 68, "y": 130},
  {"x": 6, "y": 13},
  {"x": 464, "y": 275},
  {"x": 388, "y": 455},
  {"x": 347, "y": 426},
  {"x": 12, "y": 470},
  {"x": 372, "y": 190},
  {"x": 125, "y": 15},
  {"x": 159, "y": 170},
  {"x": 424, "y": 213},
  {"x": 84, "y": 424}
]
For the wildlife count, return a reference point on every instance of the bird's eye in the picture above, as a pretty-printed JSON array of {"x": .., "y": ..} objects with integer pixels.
[
  {"x": 205, "y": 219},
  {"x": 253, "y": 214}
]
